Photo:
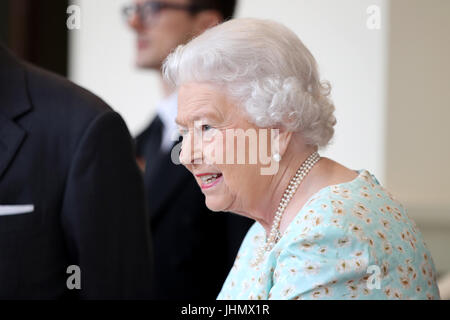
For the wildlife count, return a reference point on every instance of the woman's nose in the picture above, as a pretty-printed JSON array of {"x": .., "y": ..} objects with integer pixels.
[
  {"x": 185, "y": 153},
  {"x": 191, "y": 151}
]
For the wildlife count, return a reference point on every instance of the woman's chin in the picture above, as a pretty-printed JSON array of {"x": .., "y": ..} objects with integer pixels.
[{"x": 214, "y": 204}]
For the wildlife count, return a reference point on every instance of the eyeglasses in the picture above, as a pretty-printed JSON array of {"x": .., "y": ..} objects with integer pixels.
[{"x": 148, "y": 11}]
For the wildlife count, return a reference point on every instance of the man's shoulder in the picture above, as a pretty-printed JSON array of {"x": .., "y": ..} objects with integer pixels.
[
  {"x": 63, "y": 112},
  {"x": 60, "y": 98}
]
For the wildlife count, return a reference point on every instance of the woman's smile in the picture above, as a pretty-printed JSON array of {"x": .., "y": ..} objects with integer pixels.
[{"x": 209, "y": 180}]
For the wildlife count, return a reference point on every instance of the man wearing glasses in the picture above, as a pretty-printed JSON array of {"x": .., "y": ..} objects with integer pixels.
[{"x": 189, "y": 240}]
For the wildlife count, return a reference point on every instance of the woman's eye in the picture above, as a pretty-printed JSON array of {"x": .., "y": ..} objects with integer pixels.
[{"x": 206, "y": 127}]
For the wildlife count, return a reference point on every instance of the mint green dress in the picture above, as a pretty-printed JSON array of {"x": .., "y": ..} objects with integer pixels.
[{"x": 349, "y": 241}]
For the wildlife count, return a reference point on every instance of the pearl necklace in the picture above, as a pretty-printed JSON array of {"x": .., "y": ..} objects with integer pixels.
[{"x": 275, "y": 235}]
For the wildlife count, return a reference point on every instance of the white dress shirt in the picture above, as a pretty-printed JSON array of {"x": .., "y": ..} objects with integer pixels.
[{"x": 167, "y": 110}]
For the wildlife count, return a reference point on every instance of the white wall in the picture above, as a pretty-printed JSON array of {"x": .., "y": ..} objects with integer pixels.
[
  {"x": 350, "y": 55},
  {"x": 101, "y": 59},
  {"x": 353, "y": 59}
]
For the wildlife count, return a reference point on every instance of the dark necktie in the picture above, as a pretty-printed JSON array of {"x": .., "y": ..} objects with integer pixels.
[
  {"x": 155, "y": 139},
  {"x": 153, "y": 151}
]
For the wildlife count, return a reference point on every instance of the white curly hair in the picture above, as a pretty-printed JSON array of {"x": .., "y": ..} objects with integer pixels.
[{"x": 266, "y": 68}]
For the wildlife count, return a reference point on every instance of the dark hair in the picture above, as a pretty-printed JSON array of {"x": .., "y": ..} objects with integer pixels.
[{"x": 225, "y": 7}]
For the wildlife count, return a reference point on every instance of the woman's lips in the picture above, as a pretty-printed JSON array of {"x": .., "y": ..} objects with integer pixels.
[{"x": 209, "y": 180}]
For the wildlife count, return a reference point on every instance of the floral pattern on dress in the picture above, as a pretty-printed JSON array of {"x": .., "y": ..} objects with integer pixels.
[{"x": 328, "y": 249}]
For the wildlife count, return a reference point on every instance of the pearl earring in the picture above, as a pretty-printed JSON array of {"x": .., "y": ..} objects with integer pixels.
[{"x": 277, "y": 157}]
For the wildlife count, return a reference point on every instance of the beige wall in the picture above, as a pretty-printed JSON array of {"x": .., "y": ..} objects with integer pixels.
[{"x": 418, "y": 117}]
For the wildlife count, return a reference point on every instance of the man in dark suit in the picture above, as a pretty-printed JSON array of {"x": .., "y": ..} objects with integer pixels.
[
  {"x": 194, "y": 247},
  {"x": 70, "y": 193}
]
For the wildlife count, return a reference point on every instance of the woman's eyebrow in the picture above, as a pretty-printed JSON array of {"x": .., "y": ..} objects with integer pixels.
[{"x": 197, "y": 116}]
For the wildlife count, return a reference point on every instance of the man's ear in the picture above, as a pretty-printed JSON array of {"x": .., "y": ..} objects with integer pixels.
[{"x": 207, "y": 19}]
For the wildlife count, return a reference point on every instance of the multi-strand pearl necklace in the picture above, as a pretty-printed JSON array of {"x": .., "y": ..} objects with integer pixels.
[{"x": 275, "y": 235}]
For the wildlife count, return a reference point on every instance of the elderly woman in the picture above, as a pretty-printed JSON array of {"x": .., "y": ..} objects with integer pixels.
[{"x": 322, "y": 231}]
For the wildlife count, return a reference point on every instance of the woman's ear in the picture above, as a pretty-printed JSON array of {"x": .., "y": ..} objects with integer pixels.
[{"x": 283, "y": 139}]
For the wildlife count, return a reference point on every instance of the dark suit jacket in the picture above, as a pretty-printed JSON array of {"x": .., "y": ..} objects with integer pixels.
[
  {"x": 67, "y": 153},
  {"x": 194, "y": 247}
]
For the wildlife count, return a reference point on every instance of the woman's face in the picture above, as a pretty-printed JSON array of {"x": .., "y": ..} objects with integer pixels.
[{"x": 224, "y": 168}]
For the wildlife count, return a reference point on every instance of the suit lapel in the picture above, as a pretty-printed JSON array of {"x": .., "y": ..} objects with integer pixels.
[
  {"x": 14, "y": 102},
  {"x": 11, "y": 137}
]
